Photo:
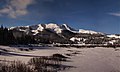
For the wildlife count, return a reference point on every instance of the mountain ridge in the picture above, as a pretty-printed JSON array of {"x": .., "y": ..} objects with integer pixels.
[
  {"x": 54, "y": 27},
  {"x": 52, "y": 32}
]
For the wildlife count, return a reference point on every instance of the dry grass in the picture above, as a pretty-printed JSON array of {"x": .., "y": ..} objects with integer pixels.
[
  {"x": 36, "y": 64},
  {"x": 15, "y": 66}
]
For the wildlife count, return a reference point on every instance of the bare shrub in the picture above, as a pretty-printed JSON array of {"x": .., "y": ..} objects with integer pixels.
[
  {"x": 15, "y": 66},
  {"x": 48, "y": 63},
  {"x": 36, "y": 64}
]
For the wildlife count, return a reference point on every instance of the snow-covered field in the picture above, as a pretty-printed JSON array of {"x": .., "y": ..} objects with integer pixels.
[{"x": 84, "y": 60}]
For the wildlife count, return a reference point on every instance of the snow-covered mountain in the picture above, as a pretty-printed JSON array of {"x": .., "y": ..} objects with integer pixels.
[
  {"x": 63, "y": 34},
  {"x": 51, "y": 26}
]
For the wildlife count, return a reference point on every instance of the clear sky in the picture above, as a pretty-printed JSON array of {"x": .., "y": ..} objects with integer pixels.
[{"x": 98, "y": 15}]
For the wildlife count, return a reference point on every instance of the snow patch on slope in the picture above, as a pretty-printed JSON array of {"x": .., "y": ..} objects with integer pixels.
[
  {"x": 40, "y": 28},
  {"x": 113, "y": 36},
  {"x": 78, "y": 40},
  {"x": 89, "y": 31}
]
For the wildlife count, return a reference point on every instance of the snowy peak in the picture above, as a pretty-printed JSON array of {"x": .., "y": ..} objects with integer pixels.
[
  {"x": 54, "y": 27},
  {"x": 66, "y": 27},
  {"x": 51, "y": 26}
]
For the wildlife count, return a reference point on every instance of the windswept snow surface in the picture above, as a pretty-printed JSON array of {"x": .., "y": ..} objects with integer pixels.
[{"x": 97, "y": 59}]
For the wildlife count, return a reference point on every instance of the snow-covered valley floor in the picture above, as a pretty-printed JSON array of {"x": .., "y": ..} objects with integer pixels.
[{"x": 97, "y": 59}]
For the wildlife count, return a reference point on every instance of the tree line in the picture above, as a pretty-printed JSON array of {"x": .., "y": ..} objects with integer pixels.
[{"x": 7, "y": 37}]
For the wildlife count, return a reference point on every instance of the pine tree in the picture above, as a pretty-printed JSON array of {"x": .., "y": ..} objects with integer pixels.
[{"x": 6, "y": 36}]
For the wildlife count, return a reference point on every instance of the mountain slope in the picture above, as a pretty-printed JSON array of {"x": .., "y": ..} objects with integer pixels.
[
  {"x": 51, "y": 26},
  {"x": 54, "y": 33}
]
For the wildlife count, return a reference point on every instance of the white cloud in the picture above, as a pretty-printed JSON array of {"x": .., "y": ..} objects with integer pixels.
[
  {"x": 16, "y": 8},
  {"x": 115, "y": 14}
]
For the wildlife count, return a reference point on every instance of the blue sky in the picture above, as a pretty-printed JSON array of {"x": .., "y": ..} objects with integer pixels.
[{"x": 98, "y": 15}]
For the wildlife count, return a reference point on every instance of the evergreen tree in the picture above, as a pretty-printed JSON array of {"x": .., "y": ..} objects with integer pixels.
[{"x": 6, "y": 36}]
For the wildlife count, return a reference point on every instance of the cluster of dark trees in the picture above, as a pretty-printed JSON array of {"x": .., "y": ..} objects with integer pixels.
[
  {"x": 7, "y": 38},
  {"x": 24, "y": 40},
  {"x": 96, "y": 40}
]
